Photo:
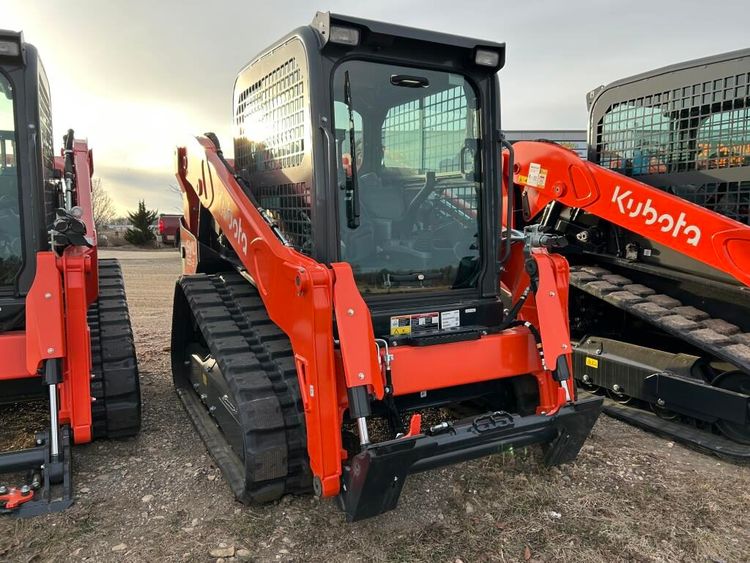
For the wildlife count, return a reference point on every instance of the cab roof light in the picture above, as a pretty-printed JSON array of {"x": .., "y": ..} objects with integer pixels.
[
  {"x": 344, "y": 35},
  {"x": 9, "y": 48},
  {"x": 484, "y": 57}
]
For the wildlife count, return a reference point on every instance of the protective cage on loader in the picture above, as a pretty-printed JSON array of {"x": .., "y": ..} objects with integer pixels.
[
  {"x": 338, "y": 325},
  {"x": 660, "y": 303},
  {"x": 65, "y": 332}
]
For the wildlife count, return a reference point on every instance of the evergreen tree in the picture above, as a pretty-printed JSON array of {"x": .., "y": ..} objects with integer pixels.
[{"x": 142, "y": 219}]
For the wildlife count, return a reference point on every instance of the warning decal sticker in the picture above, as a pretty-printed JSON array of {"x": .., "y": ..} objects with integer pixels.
[
  {"x": 414, "y": 324},
  {"x": 537, "y": 176},
  {"x": 400, "y": 325},
  {"x": 592, "y": 362}
]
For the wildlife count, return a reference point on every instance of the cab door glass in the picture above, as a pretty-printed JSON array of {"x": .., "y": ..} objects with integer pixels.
[
  {"x": 409, "y": 219},
  {"x": 10, "y": 222}
]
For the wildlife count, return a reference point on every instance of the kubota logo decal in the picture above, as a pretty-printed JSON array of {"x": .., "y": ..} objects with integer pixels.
[
  {"x": 629, "y": 206},
  {"x": 236, "y": 230}
]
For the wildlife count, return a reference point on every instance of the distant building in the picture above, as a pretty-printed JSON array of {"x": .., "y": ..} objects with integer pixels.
[{"x": 573, "y": 139}]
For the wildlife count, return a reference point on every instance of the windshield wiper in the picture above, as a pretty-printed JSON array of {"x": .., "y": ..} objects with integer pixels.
[{"x": 351, "y": 193}]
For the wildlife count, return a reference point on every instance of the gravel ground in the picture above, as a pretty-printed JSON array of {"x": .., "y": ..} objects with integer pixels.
[{"x": 629, "y": 497}]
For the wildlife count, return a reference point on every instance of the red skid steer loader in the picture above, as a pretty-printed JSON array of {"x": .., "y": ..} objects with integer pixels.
[
  {"x": 64, "y": 326},
  {"x": 339, "y": 323}
]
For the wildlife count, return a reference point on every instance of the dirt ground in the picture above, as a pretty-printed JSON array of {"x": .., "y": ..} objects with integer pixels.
[{"x": 630, "y": 496}]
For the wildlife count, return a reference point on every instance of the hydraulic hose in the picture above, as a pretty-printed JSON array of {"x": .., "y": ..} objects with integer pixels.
[{"x": 511, "y": 199}]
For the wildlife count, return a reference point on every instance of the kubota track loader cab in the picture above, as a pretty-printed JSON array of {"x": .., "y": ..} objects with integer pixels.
[
  {"x": 64, "y": 326},
  {"x": 339, "y": 325}
]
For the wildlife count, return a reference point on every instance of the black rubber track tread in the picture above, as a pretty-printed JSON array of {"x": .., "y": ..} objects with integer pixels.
[
  {"x": 257, "y": 362},
  {"x": 702, "y": 440},
  {"x": 687, "y": 323},
  {"x": 115, "y": 384},
  {"x": 732, "y": 348}
]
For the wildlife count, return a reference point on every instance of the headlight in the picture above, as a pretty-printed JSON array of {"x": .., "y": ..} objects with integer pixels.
[
  {"x": 344, "y": 35},
  {"x": 487, "y": 58}
]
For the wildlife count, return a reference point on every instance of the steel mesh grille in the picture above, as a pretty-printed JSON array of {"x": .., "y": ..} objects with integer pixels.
[
  {"x": 402, "y": 136},
  {"x": 461, "y": 202},
  {"x": 728, "y": 198},
  {"x": 427, "y": 134},
  {"x": 697, "y": 127},
  {"x": 289, "y": 205},
  {"x": 48, "y": 153},
  {"x": 270, "y": 121},
  {"x": 45, "y": 126}
]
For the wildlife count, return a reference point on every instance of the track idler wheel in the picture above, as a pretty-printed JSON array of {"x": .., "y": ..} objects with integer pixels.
[
  {"x": 663, "y": 413},
  {"x": 618, "y": 396},
  {"x": 739, "y": 382}
]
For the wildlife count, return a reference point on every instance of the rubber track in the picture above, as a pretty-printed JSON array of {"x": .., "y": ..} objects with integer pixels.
[
  {"x": 714, "y": 336},
  {"x": 115, "y": 385},
  {"x": 700, "y": 439},
  {"x": 256, "y": 360}
]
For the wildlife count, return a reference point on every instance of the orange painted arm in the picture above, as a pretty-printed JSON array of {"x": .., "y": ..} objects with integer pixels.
[
  {"x": 546, "y": 172},
  {"x": 298, "y": 293}
]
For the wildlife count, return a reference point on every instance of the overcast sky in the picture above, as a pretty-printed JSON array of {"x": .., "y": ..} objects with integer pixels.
[{"x": 137, "y": 76}]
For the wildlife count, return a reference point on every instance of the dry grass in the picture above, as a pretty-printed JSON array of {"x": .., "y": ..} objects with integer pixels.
[{"x": 19, "y": 423}]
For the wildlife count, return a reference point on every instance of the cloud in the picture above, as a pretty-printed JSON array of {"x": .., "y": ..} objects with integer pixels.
[
  {"x": 128, "y": 185},
  {"x": 139, "y": 77}
]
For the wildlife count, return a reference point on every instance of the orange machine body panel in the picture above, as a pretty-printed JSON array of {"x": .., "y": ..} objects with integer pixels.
[{"x": 56, "y": 314}]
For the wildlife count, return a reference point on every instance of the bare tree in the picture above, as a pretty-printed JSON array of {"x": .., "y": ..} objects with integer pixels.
[
  {"x": 175, "y": 189},
  {"x": 102, "y": 205}
]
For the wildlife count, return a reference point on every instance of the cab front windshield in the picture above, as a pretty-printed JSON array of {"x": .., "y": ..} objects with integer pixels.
[
  {"x": 408, "y": 188},
  {"x": 10, "y": 222}
]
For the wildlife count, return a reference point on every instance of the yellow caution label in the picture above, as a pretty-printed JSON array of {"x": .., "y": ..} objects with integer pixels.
[
  {"x": 592, "y": 362},
  {"x": 400, "y": 325}
]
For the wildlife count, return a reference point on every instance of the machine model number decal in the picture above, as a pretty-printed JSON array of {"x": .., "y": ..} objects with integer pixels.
[
  {"x": 537, "y": 176},
  {"x": 414, "y": 324},
  {"x": 628, "y": 205},
  {"x": 450, "y": 319},
  {"x": 592, "y": 362}
]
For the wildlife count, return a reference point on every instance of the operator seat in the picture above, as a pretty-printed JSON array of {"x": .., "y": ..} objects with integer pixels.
[
  {"x": 381, "y": 206},
  {"x": 381, "y": 201}
]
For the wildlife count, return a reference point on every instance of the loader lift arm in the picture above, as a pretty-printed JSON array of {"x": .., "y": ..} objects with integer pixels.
[
  {"x": 549, "y": 178},
  {"x": 548, "y": 173}
]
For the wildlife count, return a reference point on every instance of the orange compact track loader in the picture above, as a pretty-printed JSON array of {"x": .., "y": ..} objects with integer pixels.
[
  {"x": 569, "y": 196},
  {"x": 660, "y": 273},
  {"x": 339, "y": 324},
  {"x": 64, "y": 326}
]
